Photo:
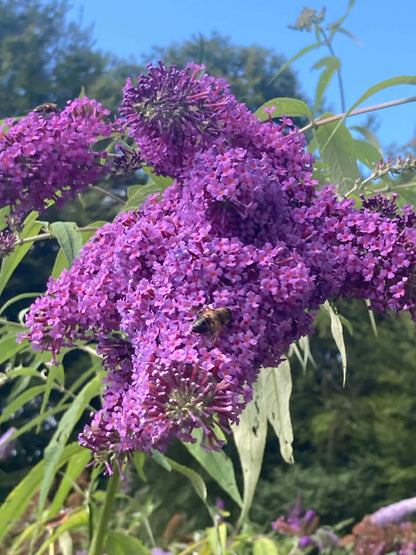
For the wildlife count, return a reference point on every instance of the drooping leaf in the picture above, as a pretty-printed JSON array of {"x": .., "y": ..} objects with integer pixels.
[
  {"x": 218, "y": 465},
  {"x": 250, "y": 439},
  {"x": 69, "y": 238},
  {"x": 337, "y": 150},
  {"x": 197, "y": 482},
  {"x": 338, "y": 335},
  {"x": 366, "y": 153},
  {"x": 276, "y": 389},
  {"x": 349, "y": 35},
  {"x": 369, "y": 136}
]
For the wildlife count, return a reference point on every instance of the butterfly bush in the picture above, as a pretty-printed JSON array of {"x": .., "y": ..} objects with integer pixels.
[
  {"x": 48, "y": 157},
  {"x": 243, "y": 226}
]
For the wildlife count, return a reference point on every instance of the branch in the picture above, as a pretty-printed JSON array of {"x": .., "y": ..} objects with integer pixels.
[{"x": 317, "y": 123}]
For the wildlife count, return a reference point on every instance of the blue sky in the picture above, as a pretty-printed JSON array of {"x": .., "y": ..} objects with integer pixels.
[{"x": 384, "y": 28}]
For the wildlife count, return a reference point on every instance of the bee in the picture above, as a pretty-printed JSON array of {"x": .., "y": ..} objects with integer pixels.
[
  {"x": 47, "y": 108},
  {"x": 211, "y": 321}
]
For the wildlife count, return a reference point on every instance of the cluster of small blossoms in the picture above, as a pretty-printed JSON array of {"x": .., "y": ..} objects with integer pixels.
[
  {"x": 48, "y": 157},
  {"x": 243, "y": 227}
]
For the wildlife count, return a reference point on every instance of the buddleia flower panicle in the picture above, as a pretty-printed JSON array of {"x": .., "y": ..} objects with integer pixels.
[
  {"x": 50, "y": 158},
  {"x": 243, "y": 227}
]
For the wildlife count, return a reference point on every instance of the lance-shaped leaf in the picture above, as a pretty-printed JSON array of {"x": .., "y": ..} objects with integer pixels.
[{"x": 276, "y": 388}]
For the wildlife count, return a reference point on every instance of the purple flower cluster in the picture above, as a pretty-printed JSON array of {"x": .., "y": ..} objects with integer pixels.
[
  {"x": 242, "y": 227},
  {"x": 48, "y": 157}
]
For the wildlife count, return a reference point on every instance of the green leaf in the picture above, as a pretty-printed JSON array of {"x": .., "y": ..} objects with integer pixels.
[
  {"x": 394, "y": 81},
  {"x": 18, "y": 298},
  {"x": 338, "y": 335},
  {"x": 161, "y": 180},
  {"x": 197, "y": 482},
  {"x": 61, "y": 262},
  {"x": 264, "y": 546},
  {"x": 31, "y": 228},
  {"x": 54, "y": 450},
  {"x": 337, "y": 151},
  {"x": 276, "y": 389},
  {"x": 300, "y": 346},
  {"x": 18, "y": 499},
  {"x": 75, "y": 467},
  {"x": 21, "y": 400},
  {"x": 348, "y": 34},
  {"x": 291, "y": 107},
  {"x": 295, "y": 57},
  {"x": 141, "y": 193},
  {"x": 371, "y": 318},
  {"x": 366, "y": 153},
  {"x": 9, "y": 346},
  {"x": 121, "y": 544},
  {"x": 350, "y": 6},
  {"x": 217, "y": 464},
  {"x": 217, "y": 538},
  {"x": 69, "y": 238},
  {"x": 161, "y": 459},
  {"x": 331, "y": 64},
  {"x": 250, "y": 439},
  {"x": 369, "y": 136},
  {"x": 76, "y": 520},
  {"x": 139, "y": 459}
]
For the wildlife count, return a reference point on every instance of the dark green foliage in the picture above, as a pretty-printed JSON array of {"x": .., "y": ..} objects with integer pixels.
[
  {"x": 354, "y": 447},
  {"x": 45, "y": 59}
]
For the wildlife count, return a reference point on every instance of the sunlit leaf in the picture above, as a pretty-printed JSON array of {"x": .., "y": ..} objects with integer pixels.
[
  {"x": 250, "y": 439},
  {"x": 217, "y": 538},
  {"x": 276, "y": 389},
  {"x": 366, "y": 153},
  {"x": 337, "y": 151},
  {"x": 369, "y": 136},
  {"x": 338, "y": 335},
  {"x": 291, "y": 107},
  {"x": 264, "y": 546}
]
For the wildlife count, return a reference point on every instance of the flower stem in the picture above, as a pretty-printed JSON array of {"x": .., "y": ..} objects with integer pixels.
[{"x": 98, "y": 540}]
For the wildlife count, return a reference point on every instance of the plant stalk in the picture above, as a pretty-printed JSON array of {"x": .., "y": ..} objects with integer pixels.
[{"x": 98, "y": 540}]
